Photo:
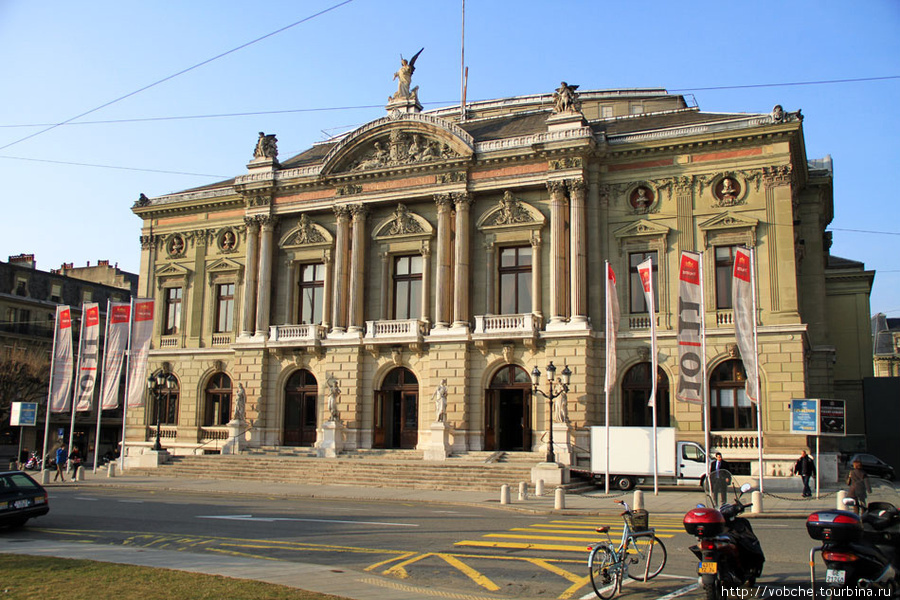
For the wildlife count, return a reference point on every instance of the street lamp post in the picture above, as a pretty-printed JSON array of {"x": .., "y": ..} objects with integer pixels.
[
  {"x": 155, "y": 383},
  {"x": 563, "y": 388}
]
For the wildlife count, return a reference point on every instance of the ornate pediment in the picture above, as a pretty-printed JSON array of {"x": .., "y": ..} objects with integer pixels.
[
  {"x": 224, "y": 266},
  {"x": 728, "y": 220},
  {"x": 403, "y": 224},
  {"x": 642, "y": 229},
  {"x": 511, "y": 212},
  {"x": 172, "y": 272},
  {"x": 729, "y": 228},
  {"x": 306, "y": 234}
]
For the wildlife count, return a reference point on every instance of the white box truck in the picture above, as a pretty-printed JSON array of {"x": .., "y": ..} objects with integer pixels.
[{"x": 631, "y": 457}]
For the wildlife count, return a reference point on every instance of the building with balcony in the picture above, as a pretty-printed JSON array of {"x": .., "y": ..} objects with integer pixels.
[{"x": 430, "y": 245}]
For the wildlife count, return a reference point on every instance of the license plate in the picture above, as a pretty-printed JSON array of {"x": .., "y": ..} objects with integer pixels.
[
  {"x": 707, "y": 568},
  {"x": 22, "y": 503},
  {"x": 835, "y": 576}
]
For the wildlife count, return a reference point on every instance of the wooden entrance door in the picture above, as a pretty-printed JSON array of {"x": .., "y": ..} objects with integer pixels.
[
  {"x": 300, "y": 418},
  {"x": 397, "y": 411},
  {"x": 507, "y": 411}
]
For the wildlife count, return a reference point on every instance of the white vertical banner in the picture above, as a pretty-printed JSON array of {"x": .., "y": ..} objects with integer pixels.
[
  {"x": 612, "y": 332},
  {"x": 63, "y": 359},
  {"x": 690, "y": 330},
  {"x": 88, "y": 356},
  {"x": 139, "y": 353},
  {"x": 743, "y": 304},
  {"x": 118, "y": 320},
  {"x": 645, "y": 270}
]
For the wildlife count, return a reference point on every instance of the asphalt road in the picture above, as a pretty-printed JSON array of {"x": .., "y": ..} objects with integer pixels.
[{"x": 470, "y": 550}]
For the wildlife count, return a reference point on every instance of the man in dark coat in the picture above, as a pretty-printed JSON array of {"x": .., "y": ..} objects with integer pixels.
[{"x": 805, "y": 468}]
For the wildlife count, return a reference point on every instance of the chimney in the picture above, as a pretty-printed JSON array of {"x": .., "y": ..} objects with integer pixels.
[{"x": 23, "y": 260}]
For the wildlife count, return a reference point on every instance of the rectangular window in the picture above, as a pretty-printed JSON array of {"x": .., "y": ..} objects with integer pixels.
[
  {"x": 21, "y": 286},
  {"x": 637, "y": 302},
  {"x": 606, "y": 112},
  {"x": 408, "y": 287},
  {"x": 224, "y": 307},
  {"x": 172, "y": 323},
  {"x": 56, "y": 292},
  {"x": 636, "y": 108},
  {"x": 312, "y": 293},
  {"x": 724, "y": 275},
  {"x": 515, "y": 280}
]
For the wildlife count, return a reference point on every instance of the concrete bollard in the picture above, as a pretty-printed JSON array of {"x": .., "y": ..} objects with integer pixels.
[
  {"x": 111, "y": 469},
  {"x": 638, "y": 500},
  {"x": 79, "y": 476},
  {"x": 504, "y": 494},
  {"x": 539, "y": 488},
  {"x": 840, "y": 499},
  {"x": 45, "y": 476},
  {"x": 757, "y": 501},
  {"x": 523, "y": 490},
  {"x": 559, "y": 501}
]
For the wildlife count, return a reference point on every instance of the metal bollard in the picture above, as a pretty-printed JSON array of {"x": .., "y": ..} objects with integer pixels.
[
  {"x": 757, "y": 507},
  {"x": 559, "y": 501},
  {"x": 840, "y": 499},
  {"x": 638, "y": 500},
  {"x": 523, "y": 490},
  {"x": 111, "y": 469},
  {"x": 539, "y": 488},
  {"x": 504, "y": 494}
]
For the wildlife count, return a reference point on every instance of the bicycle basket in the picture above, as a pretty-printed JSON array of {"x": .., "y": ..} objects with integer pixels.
[{"x": 640, "y": 520}]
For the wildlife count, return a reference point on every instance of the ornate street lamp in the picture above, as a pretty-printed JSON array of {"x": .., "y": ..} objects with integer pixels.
[
  {"x": 561, "y": 389},
  {"x": 155, "y": 384}
]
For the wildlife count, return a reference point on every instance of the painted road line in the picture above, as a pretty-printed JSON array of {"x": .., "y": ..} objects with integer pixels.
[
  {"x": 591, "y": 534},
  {"x": 581, "y": 548},
  {"x": 471, "y": 573},
  {"x": 680, "y": 592},
  {"x": 274, "y": 519}
]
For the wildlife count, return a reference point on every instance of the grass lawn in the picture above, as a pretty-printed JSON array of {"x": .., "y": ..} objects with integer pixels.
[{"x": 39, "y": 578}]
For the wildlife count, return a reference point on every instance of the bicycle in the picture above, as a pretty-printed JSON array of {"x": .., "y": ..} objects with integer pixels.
[{"x": 639, "y": 548}]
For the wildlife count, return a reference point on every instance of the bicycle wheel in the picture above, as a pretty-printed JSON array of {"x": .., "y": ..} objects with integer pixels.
[
  {"x": 645, "y": 558},
  {"x": 605, "y": 571}
]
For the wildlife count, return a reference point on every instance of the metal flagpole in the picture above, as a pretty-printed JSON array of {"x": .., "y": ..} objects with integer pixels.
[
  {"x": 76, "y": 381},
  {"x": 127, "y": 385},
  {"x": 606, "y": 383},
  {"x": 102, "y": 386},
  {"x": 44, "y": 475},
  {"x": 756, "y": 373},
  {"x": 462, "y": 68},
  {"x": 653, "y": 377},
  {"x": 704, "y": 390}
]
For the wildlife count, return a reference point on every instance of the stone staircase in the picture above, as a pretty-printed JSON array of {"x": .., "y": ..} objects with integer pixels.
[{"x": 473, "y": 471}]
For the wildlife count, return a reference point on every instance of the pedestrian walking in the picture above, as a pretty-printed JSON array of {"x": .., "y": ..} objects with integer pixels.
[
  {"x": 61, "y": 457},
  {"x": 859, "y": 486},
  {"x": 805, "y": 467},
  {"x": 719, "y": 479},
  {"x": 75, "y": 459}
]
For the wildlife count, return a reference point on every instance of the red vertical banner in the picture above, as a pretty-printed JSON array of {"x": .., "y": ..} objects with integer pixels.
[
  {"x": 612, "y": 327},
  {"x": 88, "y": 356},
  {"x": 743, "y": 304},
  {"x": 645, "y": 270},
  {"x": 63, "y": 359},
  {"x": 118, "y": 322},
  {"x": 690, "y": 330},
  {"x": 139, "y": 353}
]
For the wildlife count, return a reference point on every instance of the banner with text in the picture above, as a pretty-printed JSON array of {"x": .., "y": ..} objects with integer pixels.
[
  {"x": 139, "y": 353},
  {"x": 61, "y": 378},
  {"x": 117, "y": 324},
  {"x": 645, "y": 270},
  {"x": 690, "y": 330},
  {"x": 612, "y": 327},
  {"x": 743, "y": 304},
  {"x": 88, "y": 355}
]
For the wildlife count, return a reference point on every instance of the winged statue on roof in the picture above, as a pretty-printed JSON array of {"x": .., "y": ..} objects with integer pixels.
[{"x": 404, "y": 76}]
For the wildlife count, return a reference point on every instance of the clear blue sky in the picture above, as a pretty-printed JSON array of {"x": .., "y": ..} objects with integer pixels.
[{"x": 61, "y": 59}]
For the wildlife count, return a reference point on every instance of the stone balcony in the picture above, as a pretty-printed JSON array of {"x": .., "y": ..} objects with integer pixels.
[{"x": 309, "y": 336}]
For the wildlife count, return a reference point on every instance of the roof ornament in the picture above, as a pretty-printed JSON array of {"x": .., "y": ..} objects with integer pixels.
[
  {"x": 780, "y": 116},
  {"x": 266, "y": 146},
  {"x": 404, "y": 78},
  {"x": 566, "y": 99}
]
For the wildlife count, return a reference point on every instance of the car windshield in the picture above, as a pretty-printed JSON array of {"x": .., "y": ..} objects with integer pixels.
[{"x": 18, "y": 481}]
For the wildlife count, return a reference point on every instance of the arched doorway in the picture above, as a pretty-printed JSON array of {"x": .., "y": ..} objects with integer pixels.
[
  {"x": 300, "y": 394},
  {"x": 397, "y": 411},
  {"x": 636, "y": 386},
  {"x": 507, "y": 410}
]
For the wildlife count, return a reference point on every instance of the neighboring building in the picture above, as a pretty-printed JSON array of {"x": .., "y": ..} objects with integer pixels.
[
  {"x": 102, "y": 272},
  {"x": 28, "y": 301},
  {"x": 423, "y": 247},
  {"x": 886, "y": 351}
]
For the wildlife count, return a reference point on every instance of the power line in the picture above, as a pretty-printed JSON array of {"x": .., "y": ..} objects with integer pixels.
[
  {"x": 866, "y": 231},
  {"x": 788, "y": 84},
  {"x": 173, "y": 76},
  {"x": 79, "y": 164}
]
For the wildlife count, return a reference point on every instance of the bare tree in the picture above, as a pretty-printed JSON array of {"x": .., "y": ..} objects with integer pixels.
[{"x": 24, "y": 377}]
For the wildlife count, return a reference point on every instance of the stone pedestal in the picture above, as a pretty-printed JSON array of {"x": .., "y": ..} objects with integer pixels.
[
  {"x": 332, "y": 441},
  {"x": 149, "y": 459},
  {"x": 566, "y": 120},
  {"x": 550, "y": 473},
  {"x": 235, "y": 441},
  {"x": 439, "y": 446},
  {"x": 562, "y": 443}
]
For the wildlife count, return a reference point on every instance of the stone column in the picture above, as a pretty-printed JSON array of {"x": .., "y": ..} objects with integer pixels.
[
  {"x": 248, "y": 314},
  {"x": 557, "y": 251},
  {"x": 341, "y": 260},
  {"x": 357, "y": 265},
  {"x": 578, "y": 252},
  {"x": 536, "y": 273},
  {"x": 461, "y": 273},
  {"x": 442, "y": 291},
  {"x": 328, "y": 283},
  {"x": 264, "y": 288}
]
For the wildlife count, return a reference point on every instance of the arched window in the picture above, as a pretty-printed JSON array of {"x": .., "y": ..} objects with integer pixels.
[
  {"x": 636, "y": 386},
  {"x": 218, "y": 401},
  {"x": 168, "y": 407},
  {"x": 300, "y": 417},
  {"x": 729, "y": 406}
]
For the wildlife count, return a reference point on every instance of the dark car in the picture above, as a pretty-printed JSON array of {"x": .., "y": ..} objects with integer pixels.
[
  {"x": 21, "y": 498},
  {"x": 873, "y": 465}
]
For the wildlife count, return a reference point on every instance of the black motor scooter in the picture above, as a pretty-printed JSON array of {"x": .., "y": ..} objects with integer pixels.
[{"x": 729, "y": 552}]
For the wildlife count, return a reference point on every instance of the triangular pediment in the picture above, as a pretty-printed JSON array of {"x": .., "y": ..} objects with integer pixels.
[
  {"x": 399, "y": 141},
  {"x": 224, "y": 265},
  {"x": 172, "y": 270},
  {"x": 510, "y": 213},
  {"x": 306, "y": 234},
  {"x": 642, "y": 228},
  {"x": 403, "y": 224},
  {"x": 729, "y": 220}
]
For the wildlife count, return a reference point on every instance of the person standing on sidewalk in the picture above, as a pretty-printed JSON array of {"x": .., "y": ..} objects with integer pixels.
[
  {"x": 859, "y": 486},
  {"x": 805, "y": 468},
  {"x": 61, "y": 457},
  {"x": 75, "y": 459}
]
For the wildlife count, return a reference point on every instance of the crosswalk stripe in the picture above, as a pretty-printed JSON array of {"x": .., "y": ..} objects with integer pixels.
[
  {"x": 589, "y": 534},
  {"x": 522, "y": 546}
]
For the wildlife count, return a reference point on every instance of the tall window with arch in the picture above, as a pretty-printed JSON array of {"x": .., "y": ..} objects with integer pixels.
[
  {"x": 636, "y": 387},
  {"x": 217, "y": 409},
  {"x": 729, "y": 406}
]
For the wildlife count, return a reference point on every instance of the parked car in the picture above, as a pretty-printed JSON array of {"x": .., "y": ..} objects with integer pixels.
[
  {"x": 873, "y": 465},
  {"x": 21, "y": 498}
]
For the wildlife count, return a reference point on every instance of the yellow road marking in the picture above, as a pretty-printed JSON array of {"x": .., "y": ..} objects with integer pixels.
[
  {"x": 470, "y": 573},
  {"x": 549, "y": 538},
  {"x": 390, "y": 560},
  {"x": 573, "y": 589},
  {"x": 522, "y": 546},
  {"x": 399, "y": 570},
  {"x": 540, "y": 562}
]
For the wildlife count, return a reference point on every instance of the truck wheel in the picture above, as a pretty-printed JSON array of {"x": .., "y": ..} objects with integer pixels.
[{"x": 624, "y": 483}]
